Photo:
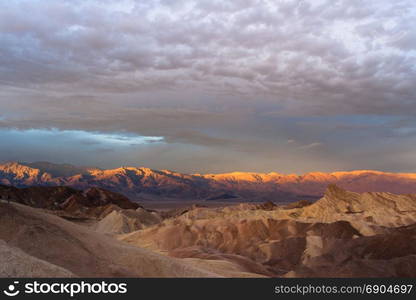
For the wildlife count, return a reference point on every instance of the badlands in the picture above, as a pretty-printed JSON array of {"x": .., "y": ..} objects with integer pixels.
[{"x": 63, "y": 232}]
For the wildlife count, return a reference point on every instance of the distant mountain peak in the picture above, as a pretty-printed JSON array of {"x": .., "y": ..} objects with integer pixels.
[
  {"x": 135, "y": 182},
  {"x": 19, "y": 168},
  {"x": 58, "y": 170}
]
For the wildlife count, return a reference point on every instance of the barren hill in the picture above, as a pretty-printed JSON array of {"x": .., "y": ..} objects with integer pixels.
[
  {"x": 382, "y": 209},
  {"x": 344, "y": 234},
  {"x": 79, "y": 250}
]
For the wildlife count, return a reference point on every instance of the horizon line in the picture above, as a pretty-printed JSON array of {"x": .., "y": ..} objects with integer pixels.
[{"x": 209, "y": 173}]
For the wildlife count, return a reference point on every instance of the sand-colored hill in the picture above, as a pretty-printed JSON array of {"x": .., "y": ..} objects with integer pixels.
[
  {"x": 382, "y": 209},
  {"x": 275, "y": 244},
  {"x": 343, "y": 234},
  {"x": 369, "y": 213},
  {"x": 82, "y": 251},
  {"x": 127, "y": 220}
]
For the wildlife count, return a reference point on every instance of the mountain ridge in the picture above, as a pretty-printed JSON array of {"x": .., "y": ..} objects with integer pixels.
[{"x": 136, "y": 182}]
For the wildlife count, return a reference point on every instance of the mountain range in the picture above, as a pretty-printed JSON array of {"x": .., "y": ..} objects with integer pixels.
[{"x": 139, "y": 183}]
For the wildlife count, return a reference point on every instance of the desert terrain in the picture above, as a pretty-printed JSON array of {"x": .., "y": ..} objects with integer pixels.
[{"x": 61, "y": 231}]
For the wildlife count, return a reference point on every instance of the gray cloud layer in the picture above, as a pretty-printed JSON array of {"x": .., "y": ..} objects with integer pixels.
[{"x": 249, "y": 84}]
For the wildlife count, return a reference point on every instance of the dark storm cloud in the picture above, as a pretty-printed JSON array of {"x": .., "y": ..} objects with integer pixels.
[{"x": 232, "y": 80}]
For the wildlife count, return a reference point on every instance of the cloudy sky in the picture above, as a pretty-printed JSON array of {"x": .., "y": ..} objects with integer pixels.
[{"x": 210, "y": 86}]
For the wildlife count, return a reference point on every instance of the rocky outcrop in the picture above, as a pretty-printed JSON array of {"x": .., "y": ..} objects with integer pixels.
[
  {"x": 384, "y": 255},
  {"x": 344, "y": 234},
  {"x": 94, "y": 202},
  {"x": 381, "y": 209},
  {"x": 127, "y": 220},
  {"x": 267, "y": 241}
]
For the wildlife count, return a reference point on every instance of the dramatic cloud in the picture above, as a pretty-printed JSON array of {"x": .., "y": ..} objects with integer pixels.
[{"x": 284, "y": 85}]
